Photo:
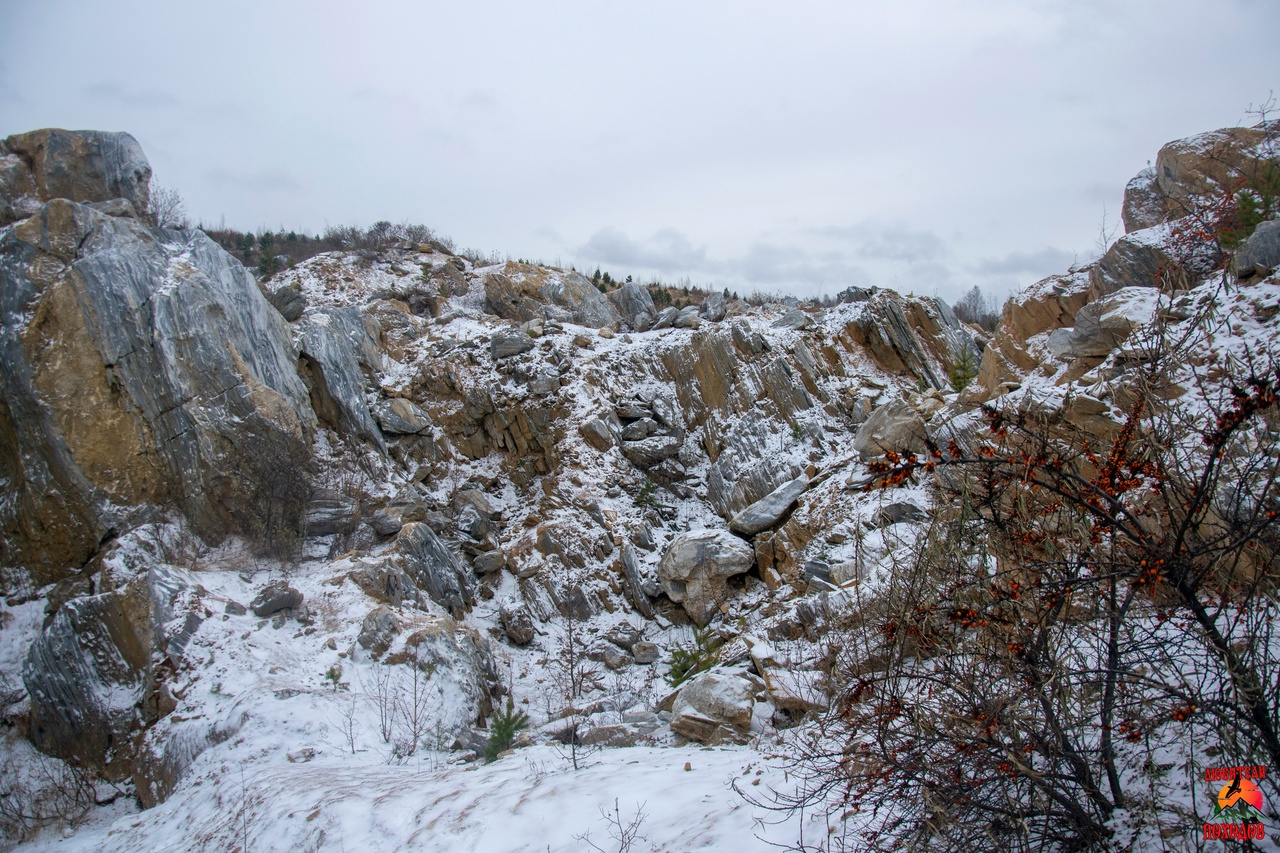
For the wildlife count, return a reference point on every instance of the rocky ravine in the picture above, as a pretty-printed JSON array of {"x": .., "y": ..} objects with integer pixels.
[{"x": 217, "y": 490}]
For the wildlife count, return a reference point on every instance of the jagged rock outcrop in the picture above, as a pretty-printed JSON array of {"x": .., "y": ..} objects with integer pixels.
[
  {"x": 336, "y": 353},
  {"x": 894, "y": 426},
  {"x": 695, "y": 567},
  {"x": 86, "y": 166},
  {"x": 140, "y": 367},
  {"x": 1260, "y": 254},
  {"x": 429, "y": 563},
  {"x": 523, "y": 292},
  {"x": 1188, "y": 172}
]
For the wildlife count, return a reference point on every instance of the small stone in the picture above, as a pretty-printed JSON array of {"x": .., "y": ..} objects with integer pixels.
[
  {"x": 235, "y": 608},
  {"x": 645, "y": 652}
]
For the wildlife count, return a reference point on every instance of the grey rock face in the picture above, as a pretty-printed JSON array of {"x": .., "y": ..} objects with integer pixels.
[
  {"x": 509, "y": 342},
  {"x": 885, "y": 330},
  {"x": 1143, "y": 202},
  {"x": 1099, "y": 329},
  {"x": 687, "y": 318},
  {"x": 330, "y": 512},
  {"x": 666, "y": 317},
  {"x": 713, "y": 707},
  {"x": 176, "y": 383},
  {"x": 645, "y": 652},
  {"x": 713, "y": 308},
  {"x": 489, "y": 562},
  {"x": 385, "y": 523},
  {"x": 1261, "y": 252},
  {"x": 1130, "y": 262},
  {"x": 641, "y": 429},
  {"x": 770, "y": 509},
  {"x": 695, "y": 567},
  {"x": 893, "y": 426},
  {"x": 337, "y": 354},
  {"x": 517, "y": 622},
  {"x": 569, "y": 298},
  {"x": 434, "y": 569},
  {"x": 634, "y": 305},
  {"x": 274, "y": 597},
  {"x": 746, "y": 470},
  {"x": 634, "y": 582},
  {"x": 78, "y": 165}
]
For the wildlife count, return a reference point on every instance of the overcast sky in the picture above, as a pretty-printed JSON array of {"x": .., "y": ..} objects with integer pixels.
[{"x": 796, "y": 147}]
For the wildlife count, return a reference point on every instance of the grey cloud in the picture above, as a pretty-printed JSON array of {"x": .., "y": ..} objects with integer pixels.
[
  {"x": 887, "y": 242},
  {"x": 768, "y": 263},
  {"x": 480, "y": 99},
  {"x": 149, "y": 99},
  {"x": 265, "y": 181},
  {"x": 667, "y": 251},
  {"x": 1043, "y": 262}
]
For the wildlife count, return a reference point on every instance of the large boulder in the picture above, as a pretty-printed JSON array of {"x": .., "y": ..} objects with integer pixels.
[
  {"x": 648, "y": 452},
  {"x": 275, "y": 597},
  {"x": 137, "y": 367},
  {"x": 696, "y": 566},
  {"x": 713, "y": 308},
  {"x": 634, "y": 305},
  {"x": 893, "y": 426},
  {"x": 1260, "y": 254},
  {"x": 399, "y": 416},
  {"x": 98, "y": 673},
  {"x": 1104, "y": 325},
  {"x": 714, "y": 707},
  {"x": 78, "y": 165}
]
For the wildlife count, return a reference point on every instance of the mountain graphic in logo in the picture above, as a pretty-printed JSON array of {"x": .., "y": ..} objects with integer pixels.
[{"x": 1239, "y": 800}]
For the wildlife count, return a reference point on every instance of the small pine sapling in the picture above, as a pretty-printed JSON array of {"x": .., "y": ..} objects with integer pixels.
[{"x": 502, "y": 731}]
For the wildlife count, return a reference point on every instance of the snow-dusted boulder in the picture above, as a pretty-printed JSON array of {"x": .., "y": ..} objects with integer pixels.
[
  {"x": 714, "y": 706},
  {"x": 694, "y": 569}
]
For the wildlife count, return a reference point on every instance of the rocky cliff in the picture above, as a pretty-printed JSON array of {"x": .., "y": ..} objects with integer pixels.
[{"x": 407, "y": 461}]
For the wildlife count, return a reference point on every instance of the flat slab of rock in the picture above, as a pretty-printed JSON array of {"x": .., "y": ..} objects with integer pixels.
[
  {"x": 399, "y": 416},
  {"x": 650, "y": 451},
  {"x": 508, "y": 342},
  {"x": 597, "y": 434},
  {"x": 770, "y": 509},
  {"x": 694, "y": 569}
]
